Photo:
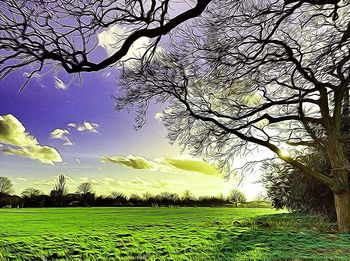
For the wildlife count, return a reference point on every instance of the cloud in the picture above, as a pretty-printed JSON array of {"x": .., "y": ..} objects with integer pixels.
[
  {"x": 113, "y": 38},
  {"x": 138, "y": 181},
  {"x": 67, "y": 142},
  {"x": 61, "y": 134},
  {"x": 13, "y": 133},
  {"x": 164, "y": 165},
  {"x": 131, "y": 161},
  {"x": 192, "y": 166},
  {"x": 44, "y": 154},
  {"x": 159, "y": 116},
  {"x": 85, "y": 126},
  {"x": 59, "y": 84}
]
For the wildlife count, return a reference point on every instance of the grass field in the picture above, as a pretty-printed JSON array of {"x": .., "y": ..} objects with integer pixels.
[{"x": 166, "y": 234}]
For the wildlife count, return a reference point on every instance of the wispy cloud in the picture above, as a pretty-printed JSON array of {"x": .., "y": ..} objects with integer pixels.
[
  {"x": 85, "y": 126},
  {"x": 112, "y": 39},
  {"x": 13, "y": 133},
  {"x": 131, "y": 161},
  {"x": 59, "y": 133},
  {"x": 158, "y": 116},
  {"x": 59, "y": 84},
  {"x": 67, "y": 142},
  {"x": 62, "y": 135},
  {"x": 164, "y": 164},
  {"x": 192, "y": 166}
]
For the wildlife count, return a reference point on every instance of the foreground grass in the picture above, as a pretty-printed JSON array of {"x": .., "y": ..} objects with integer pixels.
[{"x": 166, "y": 234}]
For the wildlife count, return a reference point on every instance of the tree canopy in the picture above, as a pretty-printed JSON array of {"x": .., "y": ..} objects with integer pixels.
[{"x": 270, "y": 73}]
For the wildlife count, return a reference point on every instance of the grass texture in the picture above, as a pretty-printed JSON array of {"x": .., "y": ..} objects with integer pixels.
[{"x": 167, "y": 234}]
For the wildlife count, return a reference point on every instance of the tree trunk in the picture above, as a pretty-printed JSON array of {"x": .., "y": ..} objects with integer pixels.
[{"x": 342, "y": 207}]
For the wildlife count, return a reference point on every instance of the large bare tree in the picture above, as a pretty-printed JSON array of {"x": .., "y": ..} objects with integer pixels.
[{"x": 268, "y": 73}]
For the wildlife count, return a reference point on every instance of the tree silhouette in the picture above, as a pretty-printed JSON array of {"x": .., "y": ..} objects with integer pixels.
[
  {"x": 236, "y": 197},
  {"x": 59, "y": 189},
  {"x": 273, "y": 74},
  {"x": 87, "y": 194},
  {"x": 5, "y": 186},
  {"x": 119, "y": 199},
  {"x": 84, "y": 188},
  {"x": 31, "y": 193}
]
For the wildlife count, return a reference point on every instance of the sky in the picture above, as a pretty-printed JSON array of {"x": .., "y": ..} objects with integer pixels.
[{"x": 53, "y": 127}]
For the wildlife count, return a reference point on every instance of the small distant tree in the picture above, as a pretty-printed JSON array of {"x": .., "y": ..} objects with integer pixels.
[
  {"x": 59, "y": 189},
  {"x": 187, "y": 195},
  {"x": 147, "y": 196},
  {"x": 31, "y": 193},
  {"x": 119, "y": 199},
  {"x": 87, "y": 194},
  {"x": 32, "y": 197},
  {"x": 85, "y": 188},
  {"x": 236, "y": 197},
  {"x": 5, "y": 186}
]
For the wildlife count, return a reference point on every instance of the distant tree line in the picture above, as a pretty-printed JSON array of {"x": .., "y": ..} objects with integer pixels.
[{"x": 85, "y": 197}]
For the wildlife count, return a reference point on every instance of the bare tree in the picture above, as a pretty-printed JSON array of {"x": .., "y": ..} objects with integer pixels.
[
  {"x": 236, "y": 196},
  {"x": 85, "y": 188},
  {"x": 31, "y": 193},
  {"x": 270, "y": 74},
  {"x": 36, "y": 33},
  {"x": 5, "y": 186},
  {"x": 59, "y": 189}
]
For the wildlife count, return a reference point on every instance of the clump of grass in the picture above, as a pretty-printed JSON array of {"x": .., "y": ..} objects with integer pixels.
[
  {"x": 173, "y": 206},
  {"x": 155, "y": 205},
  {"x": 288, "y": 222}
]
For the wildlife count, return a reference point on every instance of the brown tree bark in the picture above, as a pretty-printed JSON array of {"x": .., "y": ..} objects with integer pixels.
[{"x": 342, "y": 207}]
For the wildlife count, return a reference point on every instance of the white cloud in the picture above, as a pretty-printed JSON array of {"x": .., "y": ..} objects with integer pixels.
[
  {"x": 67, "y": 142},
  {"x": 85, "y": 126},
  {"x": 131, "y": 161},
  {"x": 72, "y": 124},
  {"x": 44, "y": 154},
  {"x": 174, "y": 165},
  {"x": 13, "y": 133},
  {"x": 59, "y": 84},
  {"x": 158, "y": 116},
  {"x": 59, "y": 133},
  {"x": 21, "y": 179},
  {"x": 113, "y": 38}
]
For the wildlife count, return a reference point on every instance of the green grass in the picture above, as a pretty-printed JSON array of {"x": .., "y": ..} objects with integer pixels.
[{"x": 167, "y": 234}]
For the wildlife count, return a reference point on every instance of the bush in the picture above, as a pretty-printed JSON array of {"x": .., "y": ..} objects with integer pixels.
[{"x": 288, "y": 188}]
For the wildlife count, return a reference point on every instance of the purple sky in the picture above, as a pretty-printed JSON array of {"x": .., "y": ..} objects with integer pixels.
[{"x": 48, "y": 104}]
